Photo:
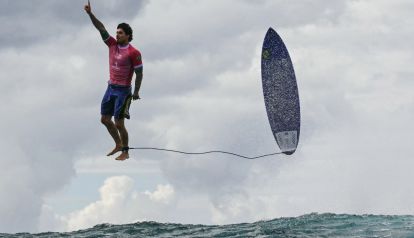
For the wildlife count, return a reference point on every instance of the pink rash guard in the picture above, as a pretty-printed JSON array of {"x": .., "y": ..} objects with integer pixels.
[{"x": 122, "y": 62}]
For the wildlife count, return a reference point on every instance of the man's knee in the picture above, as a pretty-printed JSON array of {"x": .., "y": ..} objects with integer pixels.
[
  {"x": 120, "y": 124},
  {"x": 105, "y": 120}
]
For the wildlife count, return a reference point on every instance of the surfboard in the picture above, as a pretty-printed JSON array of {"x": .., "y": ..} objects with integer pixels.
[{"x": 280, "y": 92}]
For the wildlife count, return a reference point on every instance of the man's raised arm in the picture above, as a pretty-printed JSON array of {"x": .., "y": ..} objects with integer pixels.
[{"x": 96, "y": 22}]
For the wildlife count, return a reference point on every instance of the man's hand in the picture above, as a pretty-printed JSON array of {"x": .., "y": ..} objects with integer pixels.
[
  {"x": 135, "y": 96},
  {"x": 88, "y": 8},
  {"x": 98, "y": 25}
]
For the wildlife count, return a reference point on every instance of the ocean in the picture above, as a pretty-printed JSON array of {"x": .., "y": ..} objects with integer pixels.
[{"x": 310, "y": 225}]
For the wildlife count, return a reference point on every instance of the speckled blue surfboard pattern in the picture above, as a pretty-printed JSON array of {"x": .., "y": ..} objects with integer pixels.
[{"x": 279, "y": 87}]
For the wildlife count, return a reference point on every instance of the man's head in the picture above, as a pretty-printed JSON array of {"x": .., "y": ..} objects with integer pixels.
[{"x": 123, "y": 33}]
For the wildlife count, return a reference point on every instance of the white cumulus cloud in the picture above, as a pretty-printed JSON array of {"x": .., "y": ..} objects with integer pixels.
[{"x": 119, "y": 203}]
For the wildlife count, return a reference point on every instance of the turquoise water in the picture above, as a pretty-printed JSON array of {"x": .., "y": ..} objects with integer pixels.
[{"x": 311, "y": 225}]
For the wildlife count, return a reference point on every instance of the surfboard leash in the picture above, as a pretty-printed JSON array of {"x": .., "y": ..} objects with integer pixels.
[{"x": 203, "y": 153}]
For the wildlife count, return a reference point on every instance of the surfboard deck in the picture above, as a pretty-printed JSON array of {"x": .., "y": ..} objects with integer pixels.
[{"x": 280, "y": 92}]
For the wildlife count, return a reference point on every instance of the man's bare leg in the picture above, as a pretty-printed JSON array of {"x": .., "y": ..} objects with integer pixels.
[
  {"x": 119, "y": 123},
  {"x": 113, "y": 131}
]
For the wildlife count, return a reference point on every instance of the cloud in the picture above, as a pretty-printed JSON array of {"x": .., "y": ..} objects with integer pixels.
[
  {"x": 47, "y": 106},
  {"x": 28, "y": 177},
  {"x": 355, "y": 104},
  {"x": 201, "y": 91},
  {"x": 50, "y": 19},
  {"x": 119, "y": 204},
  {"x": 164, "y": 194}
]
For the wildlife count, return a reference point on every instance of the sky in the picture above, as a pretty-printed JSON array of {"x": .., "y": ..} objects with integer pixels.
[{"x": 202, "y": 91}]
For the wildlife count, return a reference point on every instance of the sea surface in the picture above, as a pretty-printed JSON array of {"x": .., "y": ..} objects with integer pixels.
[{"x": 311, "y": 225}]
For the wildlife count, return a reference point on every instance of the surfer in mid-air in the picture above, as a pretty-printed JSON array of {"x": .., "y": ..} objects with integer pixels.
[{"x": 124, "y": 60}]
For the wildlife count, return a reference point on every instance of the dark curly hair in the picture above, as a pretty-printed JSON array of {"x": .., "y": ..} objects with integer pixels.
[{"x": 127, "y": 29}]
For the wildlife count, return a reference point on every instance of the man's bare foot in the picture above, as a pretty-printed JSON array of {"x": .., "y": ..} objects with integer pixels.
[
  {"x": 123, "y": 156},
  {"x": 117, "y": 149}
]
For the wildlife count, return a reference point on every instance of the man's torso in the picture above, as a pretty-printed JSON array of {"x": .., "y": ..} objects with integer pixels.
[{"x": 122, "y": 62}]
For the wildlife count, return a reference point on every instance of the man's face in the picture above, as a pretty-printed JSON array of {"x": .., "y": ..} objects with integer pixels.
[{"x": 121, "y": 37}]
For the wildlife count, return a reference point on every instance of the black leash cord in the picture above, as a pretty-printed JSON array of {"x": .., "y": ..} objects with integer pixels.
[{"x": 203, "y": 153}]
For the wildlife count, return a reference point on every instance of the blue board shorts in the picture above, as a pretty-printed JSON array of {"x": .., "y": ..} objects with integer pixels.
[{"x": 116, "y": 101}]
